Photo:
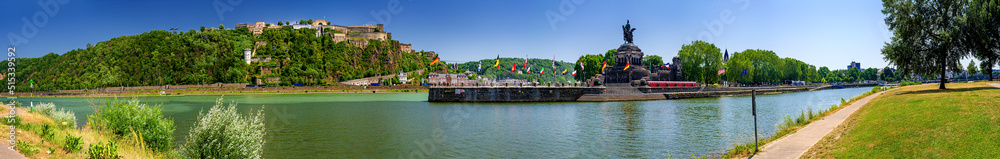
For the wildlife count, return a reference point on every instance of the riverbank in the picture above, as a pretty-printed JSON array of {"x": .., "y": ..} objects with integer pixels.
[
  {"x": 29, "y": 127},
  {"x": 228, "y": 91},
  {"x": 782, "y": 147},
  {"x": 962, "y": 121}
]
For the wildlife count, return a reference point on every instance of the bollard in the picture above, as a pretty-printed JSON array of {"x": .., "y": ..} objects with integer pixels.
[{"x": 753, "y": 101}]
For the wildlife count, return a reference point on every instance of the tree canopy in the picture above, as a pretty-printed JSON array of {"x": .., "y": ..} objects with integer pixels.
[{"x": 701, "y": 61}]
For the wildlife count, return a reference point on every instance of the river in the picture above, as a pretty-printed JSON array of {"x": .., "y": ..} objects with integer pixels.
[{"x": 404, "y": 125}]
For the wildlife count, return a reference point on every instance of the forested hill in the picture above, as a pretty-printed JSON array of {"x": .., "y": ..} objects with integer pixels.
[
  {"x": 537, "y": 65},
  {"x": 215, "y": 56}
]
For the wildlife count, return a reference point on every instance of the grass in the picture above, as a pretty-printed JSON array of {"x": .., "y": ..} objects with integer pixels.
[
  {"x": 789, "y": 125},
  {"x": 65, "y": 142},
  {"x": 920, "y": 122}
]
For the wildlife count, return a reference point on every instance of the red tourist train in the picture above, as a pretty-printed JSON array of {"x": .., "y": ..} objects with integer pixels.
[{"x": 672, "y": 84}]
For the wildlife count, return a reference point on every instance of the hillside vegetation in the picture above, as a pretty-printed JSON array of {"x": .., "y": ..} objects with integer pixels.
[{"x": 216, "y": 56}]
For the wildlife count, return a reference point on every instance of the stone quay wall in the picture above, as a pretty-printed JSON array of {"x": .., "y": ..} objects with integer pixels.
[{"x": 509, "y": 94}]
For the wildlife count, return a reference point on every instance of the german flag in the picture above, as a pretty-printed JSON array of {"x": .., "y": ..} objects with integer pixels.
[
  {"x": 626, "y": 66},
  {"x": 497, "y": 65},
  {"x": 605, "y": 65},
  {"x": 436, "y": 60}
]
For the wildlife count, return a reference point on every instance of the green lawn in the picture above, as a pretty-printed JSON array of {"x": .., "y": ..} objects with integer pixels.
[{"x": 920, "y": 122}]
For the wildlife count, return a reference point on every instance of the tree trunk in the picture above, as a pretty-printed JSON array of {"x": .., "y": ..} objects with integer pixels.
[{"x": 943, "y": 72}]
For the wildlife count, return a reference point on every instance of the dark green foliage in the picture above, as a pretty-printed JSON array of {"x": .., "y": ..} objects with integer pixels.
[
  {"x": 159, "y": 58},
  {"x": 123, "y": 117},
  {"x": 72, "y": 143},
  {"x": 103, "y": 151},
  {"x": 154, "y": 58}
]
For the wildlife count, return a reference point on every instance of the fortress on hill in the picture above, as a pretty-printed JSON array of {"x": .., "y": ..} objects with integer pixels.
[{"x": 354, "y": 35}]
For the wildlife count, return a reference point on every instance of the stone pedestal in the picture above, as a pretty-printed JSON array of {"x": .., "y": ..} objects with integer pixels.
[{"x": 631, "y": 55}]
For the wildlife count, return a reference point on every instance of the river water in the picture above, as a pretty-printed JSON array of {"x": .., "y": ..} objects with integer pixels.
[{"x": 404, "y": 125}]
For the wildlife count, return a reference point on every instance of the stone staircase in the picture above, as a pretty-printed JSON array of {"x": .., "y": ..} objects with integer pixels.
[{"x": 621, "y": 88}]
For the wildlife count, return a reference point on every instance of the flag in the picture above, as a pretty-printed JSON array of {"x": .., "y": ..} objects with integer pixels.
[
  {"x": 553, "y": 63},
  {"x": 564, "y": 71},
  {"x": 744, "y": 72},
  {"x": 525, "y": 61},
  {"x": 480, "y": 68},
  {"x": 512, "y": 68},
  {"x": 497, "y": 65},
  {"x": 581, "y": 64},
  {"x": 722, "y": 71},
  {"x": 436, "y": 60},
  {"x": 529, "y": 69},
  {"x": 574, "y": 73},
  {"x": 542, "y": 72},
  {"x": 605, "y": 65},
  {"x": 626, "y": 65}
]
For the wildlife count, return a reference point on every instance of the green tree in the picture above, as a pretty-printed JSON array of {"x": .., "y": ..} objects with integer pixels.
[
  {"x": 823, "y": 71},
  {"x": 202, "y": 28},
  {"x": 701, "y": 61},
  {"x": 281, "y": 23},
  {"x": 221, "y": 27},
  {"x": 926, "y": 35},
  {"x": 609, "y": 57},
  {"x": 972, "y": 68},
  {"x": 870, "y": 74},
  {"x": 591, "y": 66},
  {"x": 982, "y": 35},
  {"x": 652, "y": 60}
]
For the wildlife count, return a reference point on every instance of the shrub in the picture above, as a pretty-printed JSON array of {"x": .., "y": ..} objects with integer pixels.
[
  {"x": 62, "y": 116},
  {"x": 26, "y": 148},
  {"x": 45, "y": 108},
  {"x": 121, "y": 117},
  {"x": 72, "y": 143},
  {"x": 15, "y": 121},
  {"x": 47, "y": 132},
  {"x": 103, "y": 151},
  {"x": 224, "y": 133}
]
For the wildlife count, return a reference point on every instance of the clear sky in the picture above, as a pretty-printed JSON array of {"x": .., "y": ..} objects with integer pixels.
[{"x": 822, "y": 33}]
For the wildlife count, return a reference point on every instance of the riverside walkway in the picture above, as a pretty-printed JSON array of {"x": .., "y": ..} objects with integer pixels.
[{"x": 796, "y": 144}]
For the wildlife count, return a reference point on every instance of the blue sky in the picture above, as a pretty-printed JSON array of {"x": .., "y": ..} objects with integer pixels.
[{"x": 823, "y": 33}]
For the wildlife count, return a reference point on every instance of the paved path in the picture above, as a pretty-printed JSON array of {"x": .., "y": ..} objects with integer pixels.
[
  {"x": 994, "y": 84},
  {"x": 796, "y": 144},
  {"x": 4, "y": 151}
]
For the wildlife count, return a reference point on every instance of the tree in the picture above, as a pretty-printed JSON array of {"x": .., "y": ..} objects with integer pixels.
[
  {"x": 591, "y": 66},
  {"x": 221, "y": 27},
  {"x": 987, "y": 68},
  {"x": 609, "y": 57},
  {"x": 281, "y": 23},
  {"x": 982, "y": 35},
  {"x": 202, "y": 28},
  {"x": 972, "y": 68},
  {"x": 310, "y": 21},
  {"x": 926, "y": 35},
  {"x": 652, "y": 60},
  {"x": 870, "y": 74},
  {"x": 823, "y": 71},
  {"x": 701, "y": 61}
]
